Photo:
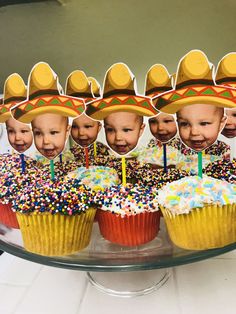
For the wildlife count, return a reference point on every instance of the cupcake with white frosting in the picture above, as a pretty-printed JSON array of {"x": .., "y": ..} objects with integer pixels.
[
  {"x": 200, "y": 213},
  {"x": 128, "y": 215}
]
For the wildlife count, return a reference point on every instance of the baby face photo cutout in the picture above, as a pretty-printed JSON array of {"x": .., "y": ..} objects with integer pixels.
[
  {"x": 197, "y": 101},
  {"x": 19, "y": 135},
  {"x": 47, "y": 110},
  {"x": 229, "y": 130},
  {"x": 123, "y": 130},
  {"x": 158, "y": 80},
  {"x": 163, "y": 127},
  {"x": 199, "y": 125},
  {"x": 84, "y": 130},
  {"x": 50, "y": 132},
  {"x": 226, "y": 76},
  {"x": 121, "y": 109}
]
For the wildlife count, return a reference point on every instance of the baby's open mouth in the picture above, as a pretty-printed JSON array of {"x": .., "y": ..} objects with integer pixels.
[
  {"x": 121, "y": 148},
  {"x": 49, "y": 152}
]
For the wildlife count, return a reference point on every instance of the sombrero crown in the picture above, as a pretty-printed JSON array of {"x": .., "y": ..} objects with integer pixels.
[
  {"x": 78, "y": 85},
  {"x": 119, "y": 95},
  {"x": 45, "y": 96},
  {"x": 96, "y": 89},
  {"x": 14, "y": 92},
  {"x": 158, "y": 80},
  {"x": 195, "y": 85},
  {"x": 226, "y": 70}
]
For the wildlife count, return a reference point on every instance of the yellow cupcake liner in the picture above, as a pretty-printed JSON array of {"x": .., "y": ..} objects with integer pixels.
[
  {"x": 54, "y": 235},
  {"x": 203, "y": 228}
]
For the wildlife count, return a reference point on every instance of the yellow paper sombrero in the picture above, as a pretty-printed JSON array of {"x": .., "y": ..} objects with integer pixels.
[
  {"x": 119, "y": 95},
  {"x": 226, "y": 71},
  {"x": 158, "y": 81},
  {"x": 14, "y": 92},
  {"x": 96, "y": 89},
  {"x": 195, "y": 85},
  {"x": 78, "y": 85},
  {"x": 45, "y": 96}
]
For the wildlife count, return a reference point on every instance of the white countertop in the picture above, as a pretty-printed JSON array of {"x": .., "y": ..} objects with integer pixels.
[{"x": 206, "y": 287}]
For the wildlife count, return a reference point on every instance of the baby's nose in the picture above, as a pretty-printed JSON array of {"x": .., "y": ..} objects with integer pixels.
[
  {"x": 18, "y": 136},
  {"x": 194, "y": 130},
  {"x": 46, "y": 140},
  {"x": 118, "y": 136}
]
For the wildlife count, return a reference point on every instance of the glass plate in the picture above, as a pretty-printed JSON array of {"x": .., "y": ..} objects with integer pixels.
[{"x": 101, "y": 255}]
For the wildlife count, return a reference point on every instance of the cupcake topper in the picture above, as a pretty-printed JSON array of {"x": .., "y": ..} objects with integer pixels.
[
  {"x": 226, "y": 76},
  {"x": 47, "y": 109},
  {"x": 197, "y": 101},
  {"x": 19, "y": 134},
  {"x": 162, "y": 126},
  {"x": 84, "y": 129},
  {"x": 122, "y": 109}
]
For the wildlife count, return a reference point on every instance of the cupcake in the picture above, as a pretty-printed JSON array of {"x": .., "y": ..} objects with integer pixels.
[
  {"x": 222, "y": 169},
  {"x": 132, "y": 167},
  {"x": 11, "y": 181},
  {"x": 159, "y": 177},
  {"x": 95, "y": 177},
  {"x": 154, "y": 156},
  {"x": 78, "y": 152},
  {"x": 55, "y": 217},
  {"x": 128, "y": 215},
  {"x": 200, "y": 213}
]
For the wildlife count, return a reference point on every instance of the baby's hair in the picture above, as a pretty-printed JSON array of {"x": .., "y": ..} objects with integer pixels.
[{"x": 140, "y": 119}]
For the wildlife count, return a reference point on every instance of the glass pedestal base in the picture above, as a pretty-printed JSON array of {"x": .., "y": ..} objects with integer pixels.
[{"x": 129, "y": 284}]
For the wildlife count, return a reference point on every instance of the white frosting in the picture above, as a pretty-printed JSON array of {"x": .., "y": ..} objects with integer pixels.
[
  {"x": 183, "y": 195},
  {"x": 96, "y": 177},
  {"x": 128, "y": 200}
]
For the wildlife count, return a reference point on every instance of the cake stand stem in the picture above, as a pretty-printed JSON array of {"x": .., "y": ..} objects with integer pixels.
[{"x": 129, "y": 284}]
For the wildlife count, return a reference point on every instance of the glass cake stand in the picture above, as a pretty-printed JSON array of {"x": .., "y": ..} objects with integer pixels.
[{"x": 114, "y": 269}]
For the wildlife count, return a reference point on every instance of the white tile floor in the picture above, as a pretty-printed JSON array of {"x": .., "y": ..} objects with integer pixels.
[{"x": 206, "y": 287}]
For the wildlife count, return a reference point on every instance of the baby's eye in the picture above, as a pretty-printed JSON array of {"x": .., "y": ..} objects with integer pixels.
[
  {"x": 234, "y": 115},
  {"x": 204, "y": 123},
  {"x": 127, "y": 130},
  {"x": 54, "y": 132},
  {"x": 37, "y": 133},
  {"x": 88, "y": 126},
  {"x": 24, "y": 131},
  {"x": 10, "y": 131},
  {"x": 183, "y": 124},
  {"x": 168, "y": 121},
  {"x": 152, "y": 121},
  {"x": 107, "y": 129},
  {"x": 74, "y": 126}
]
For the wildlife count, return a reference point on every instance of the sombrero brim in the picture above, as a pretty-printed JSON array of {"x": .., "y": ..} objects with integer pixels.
[
  {"x": 102, "y": 107},
  {"x": 66, "y": 106},
  {"x": 174, "y": 100},
  {"x": 5, "y": 112}
]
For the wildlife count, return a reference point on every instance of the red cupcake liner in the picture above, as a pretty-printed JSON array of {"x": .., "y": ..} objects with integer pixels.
[
  {"x": 7, "y": 216},
  {"x": 129, "y": 230}
]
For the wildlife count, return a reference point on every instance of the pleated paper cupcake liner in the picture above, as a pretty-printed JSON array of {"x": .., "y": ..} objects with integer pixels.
[
  {"x": 57, "y": 234},
  {"x": 7, "y": 216},
  {"x": 203, "y": 228},
  {"x": 129, "y": 230}
]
